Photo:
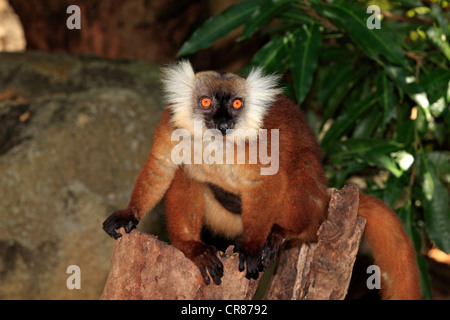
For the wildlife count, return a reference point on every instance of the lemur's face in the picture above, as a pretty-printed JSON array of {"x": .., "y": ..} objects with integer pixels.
[{"x": 220, "y": 100}]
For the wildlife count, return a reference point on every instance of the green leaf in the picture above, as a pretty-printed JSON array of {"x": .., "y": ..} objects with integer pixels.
[
  {"x": 346, "y": 120},
  {"x": 435, "y": 204},
  {"x": 295, "y": 15},
  {"x": 438, "y": 37},
  {"x": 367, "y": 125},
  {"x": 441, "y": 161},
  {"x": 393, "y": 190},
  {"x": 385, "y": 162},
  {"x": 346, "y": 82},
  {"x": 311, "y": 117},
  {"x": 347, "y": 169},
  {"x": 331, "y": 53},
  {"x": 274, "y": 55},
  {"x": 337, "y": 82},
  {"x": 406, "y": 214},
  {"x": 334, "y": 82},
  {"x": 411, "y": 3},
  {"x": 377, "y": 43},
  {"x": 262, "y": 16},
  {"x": 404, "y": 131},
  {"x": 425, "y": 281},
  {"x": 408, "y": 84},
  {"x": 436, "y": 84},
  {"x": 385, "y": 95},
  {"x": 356, "y": 150},
  {"x": 219, "y": 26},
  {"x": 437, "y": 14},
  {"x": 304, "y": 55},
  {"x": 353, "y": 146}
]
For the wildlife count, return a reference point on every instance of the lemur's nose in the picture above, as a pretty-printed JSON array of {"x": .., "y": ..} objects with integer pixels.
[{"x": 222, "y": 127}]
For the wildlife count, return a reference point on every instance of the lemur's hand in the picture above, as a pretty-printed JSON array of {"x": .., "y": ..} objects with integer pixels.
[{"x": 121, "y": 218}]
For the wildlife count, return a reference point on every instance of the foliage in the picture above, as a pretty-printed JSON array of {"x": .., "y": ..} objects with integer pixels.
[{"x": 378, "y": 99}]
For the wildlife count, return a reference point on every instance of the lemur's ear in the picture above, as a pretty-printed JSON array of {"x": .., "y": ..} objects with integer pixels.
[
  {"x": 262, "y": 90},
  {"x": 178, "y": 81},
  {"x": 178, "y": 85}
]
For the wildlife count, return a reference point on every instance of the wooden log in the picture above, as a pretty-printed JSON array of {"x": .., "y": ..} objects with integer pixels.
[
  {"x": 143, "y": 267},
  {"x": 322, "y": 270}
]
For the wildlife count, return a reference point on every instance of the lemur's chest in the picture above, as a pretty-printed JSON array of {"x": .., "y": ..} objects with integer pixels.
[
  {"x": 224, "y": 175},
  {"x": 214, "y": 162},
  {"x": 224, "y": 183}
]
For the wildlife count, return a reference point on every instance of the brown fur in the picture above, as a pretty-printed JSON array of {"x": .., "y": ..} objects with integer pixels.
[
  {"x": 294, "y": 200},
  {"x": 392, "y": 250},
  {"x": 297, "y": 210}
]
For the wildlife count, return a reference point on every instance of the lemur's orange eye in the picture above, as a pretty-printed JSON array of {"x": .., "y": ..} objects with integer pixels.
[
  {"x": 237, "y": 104},
  {"x": 206, "y": 102}
]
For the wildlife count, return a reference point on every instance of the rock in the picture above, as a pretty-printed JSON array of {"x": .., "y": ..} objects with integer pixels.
[{"x": 74, "y": 133}]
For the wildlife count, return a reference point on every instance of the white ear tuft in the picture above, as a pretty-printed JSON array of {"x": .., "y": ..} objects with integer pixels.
[
  {"x": 178, "y": 81},
  {"x": 178, "y": 85},
  {"x": 261, "y": 93}
]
